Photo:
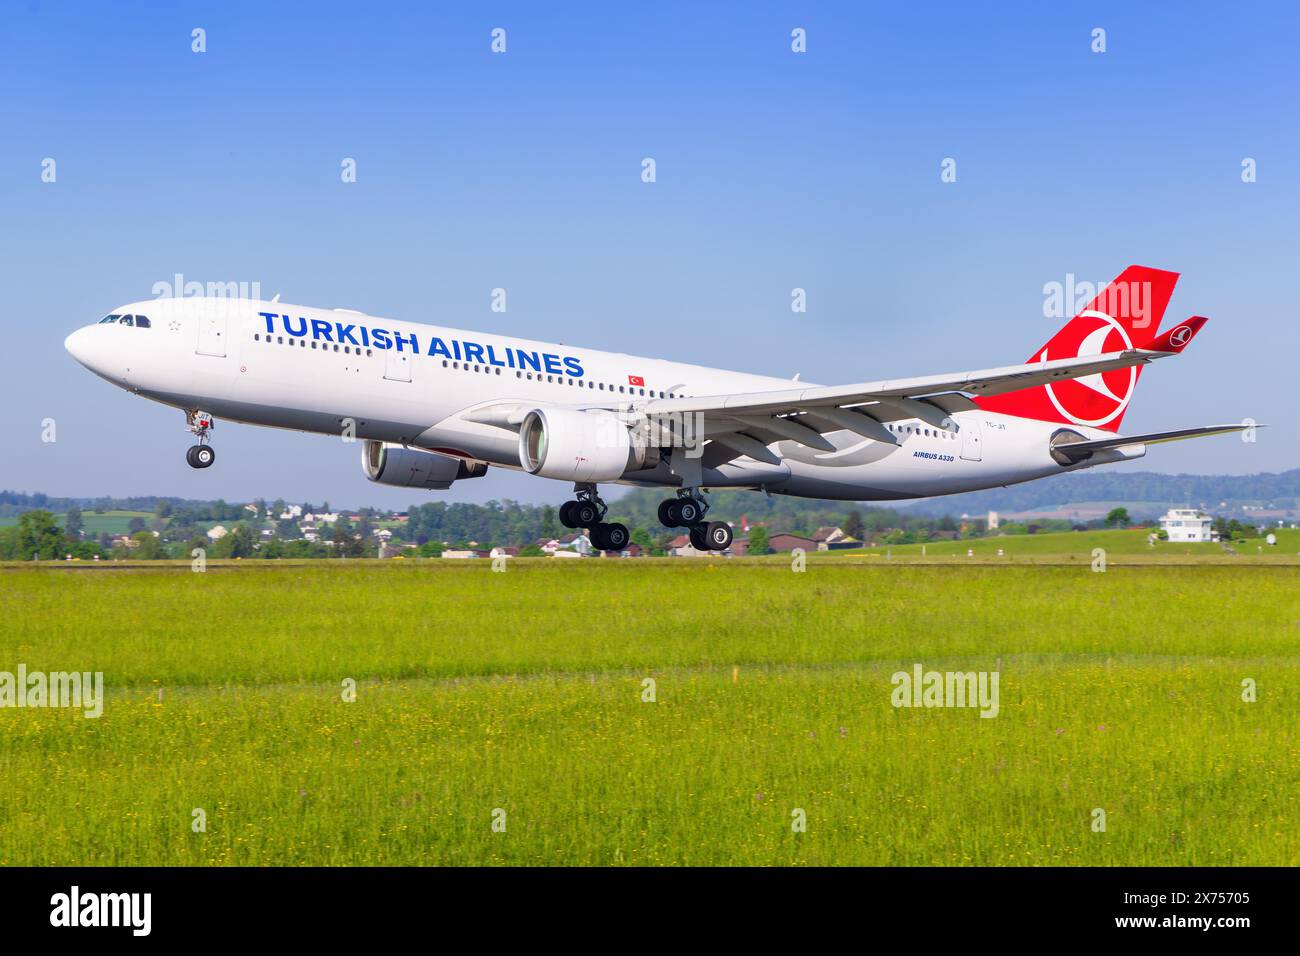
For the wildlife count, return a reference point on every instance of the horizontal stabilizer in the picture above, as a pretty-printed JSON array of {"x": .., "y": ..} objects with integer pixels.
[{"x": 1078, "y": 451}]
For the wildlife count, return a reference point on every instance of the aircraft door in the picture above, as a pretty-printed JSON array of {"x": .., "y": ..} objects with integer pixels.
[
  {"x": 397, "y": 366},
  {"x": 971, "y": 439},
  {"x": 211, "y": 316}
]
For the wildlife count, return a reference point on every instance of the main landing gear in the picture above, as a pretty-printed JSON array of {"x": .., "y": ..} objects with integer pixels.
[
  {"x": 587, "y": 510},
  {"x": 687, "y": 510},
  {"x": 200, "y": 424}
]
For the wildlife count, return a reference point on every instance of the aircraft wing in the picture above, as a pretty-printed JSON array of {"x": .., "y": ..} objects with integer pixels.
[
  {"x": 1078, "y": 451},
  {"x": 746, "y": 423}
]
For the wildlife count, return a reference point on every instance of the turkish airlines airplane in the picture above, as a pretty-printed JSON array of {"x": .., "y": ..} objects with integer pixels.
[{"x": 434, "y": 405}]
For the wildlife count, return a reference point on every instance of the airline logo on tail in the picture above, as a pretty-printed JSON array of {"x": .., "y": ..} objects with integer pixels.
[
  {"x": 1079, "y": 397},
  {"x": 1124, "y": 315}
]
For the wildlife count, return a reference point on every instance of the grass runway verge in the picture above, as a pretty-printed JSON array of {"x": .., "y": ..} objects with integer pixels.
[{"x": 519, "y": 697}]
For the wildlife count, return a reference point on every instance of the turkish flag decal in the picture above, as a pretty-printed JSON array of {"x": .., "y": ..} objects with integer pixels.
[{"x": 635, "y": 380}]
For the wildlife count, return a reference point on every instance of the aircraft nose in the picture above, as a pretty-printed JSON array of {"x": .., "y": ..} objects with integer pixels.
[{"x": 78, "y": 345}]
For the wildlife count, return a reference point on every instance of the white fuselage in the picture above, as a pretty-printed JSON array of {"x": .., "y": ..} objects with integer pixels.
[{"x": 323, "y": 370}]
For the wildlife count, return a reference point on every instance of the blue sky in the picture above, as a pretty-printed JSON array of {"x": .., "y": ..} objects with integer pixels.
[{"x": 521, "y": 170}]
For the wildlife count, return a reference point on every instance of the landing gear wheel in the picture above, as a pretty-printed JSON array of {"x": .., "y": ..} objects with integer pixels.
[
  {"x": 665, "y": 513},
  {"x": 597, "y": 538},
  {"x": 687, "y": 511},
  {"x": 718, "y": 535},
  {"x": 614, "y": 536},
  {"x": 566, "y": 515},
  {"x": 699, "y": 535},
  {"x": 200, "y": 456},
  {"x": 584, "y": 514}
]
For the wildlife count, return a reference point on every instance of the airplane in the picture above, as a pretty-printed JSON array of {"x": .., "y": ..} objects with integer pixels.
[{"x": 433, "y": 405}]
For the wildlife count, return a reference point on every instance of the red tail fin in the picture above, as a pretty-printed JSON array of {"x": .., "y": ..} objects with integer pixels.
[{"x": 1125, "y": 314}]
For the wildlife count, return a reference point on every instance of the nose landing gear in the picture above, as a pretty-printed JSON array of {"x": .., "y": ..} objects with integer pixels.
[{"x": 200, "y": 423}]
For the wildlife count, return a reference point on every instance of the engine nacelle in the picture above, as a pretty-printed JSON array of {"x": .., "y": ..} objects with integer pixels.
[
  {"x": 390, "y": 464},
  {"x": 576, "y": 445}
]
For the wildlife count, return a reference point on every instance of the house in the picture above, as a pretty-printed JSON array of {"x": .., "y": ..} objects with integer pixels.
[
  {"x": 508, "y": 551},
  {"x": 1188, "y": 524},
  {"x": 577, "y": 542},
  {"x": 680, "y": 547},
  {"x": 464, "y": 553},
  {"x": 574, "y": 544},
  {"x": 834, "y": 539},
  {"x": 217, "y": 532},
  {"x": 825, "y": 537},
  {"x": 785, "y": 541},
  {"x": 631, "y": 551}
]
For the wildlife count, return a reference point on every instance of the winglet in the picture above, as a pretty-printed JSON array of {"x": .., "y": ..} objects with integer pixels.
[{"x": 1176, "y": 339}]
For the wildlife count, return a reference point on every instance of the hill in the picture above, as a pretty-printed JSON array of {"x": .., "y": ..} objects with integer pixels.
[{"x": 1144, "y": 493}]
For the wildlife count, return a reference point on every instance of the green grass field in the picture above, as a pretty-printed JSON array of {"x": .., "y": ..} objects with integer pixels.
[
  {"x": 1079, "y": 544},
  {"x": 523, "y": 691}
]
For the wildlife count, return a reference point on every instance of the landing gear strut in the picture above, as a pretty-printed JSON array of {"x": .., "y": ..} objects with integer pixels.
[
  {"x": 588, "y": 510},
  {"x": 687, "y": 510},
  {"x": 200, "y": 424}
]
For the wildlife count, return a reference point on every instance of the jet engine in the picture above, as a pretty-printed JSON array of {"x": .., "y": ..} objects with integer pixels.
[
  {"x": 390, "y": 464},
  {"x": 580, "y": 445}
]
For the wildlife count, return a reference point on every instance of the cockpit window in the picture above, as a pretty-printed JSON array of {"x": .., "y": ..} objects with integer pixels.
[
  {"x": 109, "y": 319},
  {"x": 128, "y": 320},
  {"x": 141, "y": 322}
]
